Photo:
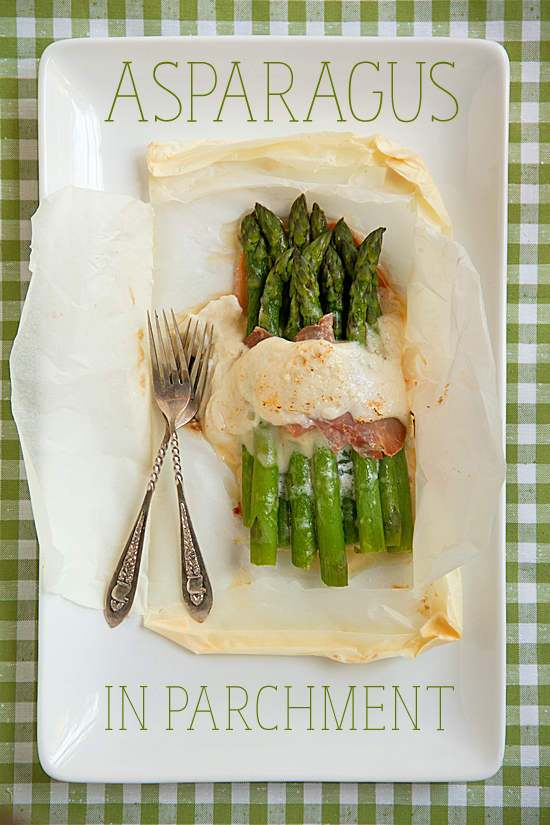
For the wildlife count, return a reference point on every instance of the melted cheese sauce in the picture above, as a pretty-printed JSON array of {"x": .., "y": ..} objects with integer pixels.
[{"x": 283, "y": 382}]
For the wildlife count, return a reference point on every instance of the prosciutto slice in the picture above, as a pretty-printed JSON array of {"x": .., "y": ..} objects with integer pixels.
[
  {"x": 316, "y": 332},
  {"x": 321, "y": 331},
  {"x": 258, "y": 334},
  {"x": 368, "y": 438},
  {"x": 371, "y": 439}
]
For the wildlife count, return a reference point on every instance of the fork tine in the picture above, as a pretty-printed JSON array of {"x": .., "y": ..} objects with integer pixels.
[
  {"x": 182, "y": 361},
  {"x": 189, "y": 350},
  {"x": 169, "y": 349},
  {"x": 154, "y": 358},
  {"x": 186, "y": 334},
  {"x": 161, "y": 355},
  {"x": 198, "y": 356},
  {"x": 201, "y": 381}
]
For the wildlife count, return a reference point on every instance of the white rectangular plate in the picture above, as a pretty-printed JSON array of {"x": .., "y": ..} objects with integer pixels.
[{"x": 105, "y": 696}]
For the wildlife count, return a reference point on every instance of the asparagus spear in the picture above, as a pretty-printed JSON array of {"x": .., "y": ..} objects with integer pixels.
[
  {"x": 390, "y": 502},
  {"x": 269, "y": 318},
  {"x": 283, "y": 522},
  {"x": 306, "y": 287},
  {"x": 349, "y": 509},
  {"x": 273, "y": 232},
  {"x": 377, "y": 505},
  {"x": 299, "y": 233},
  {"x": 305, "y": 309},
  {"x": 328, "y": 516},
  {"x": 302, "y": 527},
  {"x": 365, "y": 266},
  {"x": 272, "y": 297},
  {"x": 314, "y": 252},
  {"x": 405, "y": 506},
  {"x": 256, "y": 265},
  {"x": 365, "y": 308},
  {"x": 369, "y": 510},
  {"x": 344, "y": 244},
  {"x": 332, "y": 293},
  {"x": 318, "y": 221},
  {"x": 349, "y": 519},
  {"x": 250, "y": 233},
  {"x": 246, "y": 485},
  {"x": 264, "y": 503},
  {"x": 294, "y": 322},
  {"x": 373, "y": 310}
]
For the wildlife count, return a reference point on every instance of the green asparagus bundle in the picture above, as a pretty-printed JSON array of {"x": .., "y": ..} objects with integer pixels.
[{"x": 325, "y": 502}]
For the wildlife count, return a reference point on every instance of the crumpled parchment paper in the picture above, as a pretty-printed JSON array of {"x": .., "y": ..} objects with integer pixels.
[
  {"x": 80, "y": 385},
  {"x": 110, "y": 429}
]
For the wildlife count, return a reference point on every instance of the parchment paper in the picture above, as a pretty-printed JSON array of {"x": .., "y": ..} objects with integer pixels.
[
  {"x": 99, "y": 444},
  {"x": 80, "y": 385}
]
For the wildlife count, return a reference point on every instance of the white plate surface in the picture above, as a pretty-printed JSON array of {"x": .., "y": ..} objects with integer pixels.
[{"x": 438, "y": 718}]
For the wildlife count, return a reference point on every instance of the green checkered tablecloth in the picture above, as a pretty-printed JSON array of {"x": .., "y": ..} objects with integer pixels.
[{"x": 519, "y": 791}]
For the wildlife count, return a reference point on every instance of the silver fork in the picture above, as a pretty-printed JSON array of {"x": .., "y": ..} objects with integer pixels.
[{"x": 123, "y": 584}]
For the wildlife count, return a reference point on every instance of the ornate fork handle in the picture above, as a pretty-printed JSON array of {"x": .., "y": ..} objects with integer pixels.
[
  {"x": 196, "y": 587},
  {"x": 122, "y": 587}
]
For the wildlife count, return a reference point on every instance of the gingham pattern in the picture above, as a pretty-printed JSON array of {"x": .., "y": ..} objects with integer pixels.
[{"x": 519, "y": 791}]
